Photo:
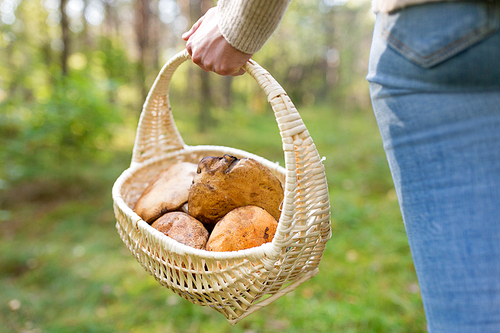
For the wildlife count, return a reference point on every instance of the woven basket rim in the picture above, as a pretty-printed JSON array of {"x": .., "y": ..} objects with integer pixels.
[{"x": 258, "y": 252}]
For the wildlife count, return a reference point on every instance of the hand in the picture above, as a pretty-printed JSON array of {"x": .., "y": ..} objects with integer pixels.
[{"x": 210, "y": 50}]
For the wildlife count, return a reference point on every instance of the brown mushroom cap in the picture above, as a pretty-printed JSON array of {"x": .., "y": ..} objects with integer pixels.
[
  {"x": 222, "y": 184},
  {"x": 182, "y": 228},
  {"x": 167, "y": 192},
  {"x": 242, "y": 228}
]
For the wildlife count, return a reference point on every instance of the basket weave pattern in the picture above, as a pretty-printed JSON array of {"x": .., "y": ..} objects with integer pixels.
[{"x": 234, "y": 283}]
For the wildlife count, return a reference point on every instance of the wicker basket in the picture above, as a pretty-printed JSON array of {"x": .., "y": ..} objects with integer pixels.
[{"x": 235, "y": 284}]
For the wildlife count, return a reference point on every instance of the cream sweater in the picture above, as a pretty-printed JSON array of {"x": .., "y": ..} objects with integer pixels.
[{"x": 247, "y": 24}]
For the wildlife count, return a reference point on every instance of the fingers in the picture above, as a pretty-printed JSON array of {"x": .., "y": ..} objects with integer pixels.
[
  {"x": 224, "y": 68},
  {"x": 220, "y": 58},
  {"x": 198, "y": 60},
  {"x": 210, "y": 50},
  {"x": 230, "y": 67},
  {"x": 240, "y": 72},
  {"x": 228, "y": 70},
  {"x": 210, "y": 65}
]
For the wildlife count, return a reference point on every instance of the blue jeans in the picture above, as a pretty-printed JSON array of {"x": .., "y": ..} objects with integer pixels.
[{"x": 434, "y": 78}]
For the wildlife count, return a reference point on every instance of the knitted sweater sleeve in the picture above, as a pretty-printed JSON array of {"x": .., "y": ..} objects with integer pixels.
[{"x": 248, "y": 24}]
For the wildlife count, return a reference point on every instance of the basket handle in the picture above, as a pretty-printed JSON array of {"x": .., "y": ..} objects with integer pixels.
[
  {"x": 306, "y": 201},
  {"x": 305, "y": 176},
  {"x": 156, "y": 132}
]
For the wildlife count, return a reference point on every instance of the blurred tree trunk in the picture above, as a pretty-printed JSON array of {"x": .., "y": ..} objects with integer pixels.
[
  {"x": 65, "y": 37},
  {"x": 141, "y": 29},
  {"x": 46, "y": 54},
  {"x": 331, "y": 59},
  {"x": 205, "y": 118},
  {"x": 85, "y": 28},
  {"x": 109, "y": 20},
  {"x": 10, "y": 64},
  {"x": 227, "y": 93},
  {"x": 155, "y": 33}
]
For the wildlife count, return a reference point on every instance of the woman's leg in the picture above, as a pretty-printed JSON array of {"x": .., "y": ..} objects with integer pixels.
[{"x": 435, "y": 87}]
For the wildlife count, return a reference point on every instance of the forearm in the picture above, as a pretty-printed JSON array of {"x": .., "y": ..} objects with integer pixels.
[{"x": 248, "y": 24}]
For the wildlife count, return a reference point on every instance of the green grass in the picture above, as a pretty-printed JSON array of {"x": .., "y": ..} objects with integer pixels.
[{"x": 63, "y": 267}]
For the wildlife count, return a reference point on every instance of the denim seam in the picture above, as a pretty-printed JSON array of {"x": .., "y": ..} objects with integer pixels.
[
  {"x": 459, "y": 44},
  {"x": 489, "y": 26}
]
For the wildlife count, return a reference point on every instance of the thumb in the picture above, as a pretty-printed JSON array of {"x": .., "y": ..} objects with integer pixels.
[{"x": 193, "y": 29}]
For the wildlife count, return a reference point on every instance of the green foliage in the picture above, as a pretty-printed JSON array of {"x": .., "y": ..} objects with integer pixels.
[
  {"x": 73, "y": 123},
  {"x": 111, "y": 58},
  {"x": 320, "y": 51}
]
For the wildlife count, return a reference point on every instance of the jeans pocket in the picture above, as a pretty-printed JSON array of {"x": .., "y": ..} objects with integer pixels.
[{"x": 430, "y": 34}]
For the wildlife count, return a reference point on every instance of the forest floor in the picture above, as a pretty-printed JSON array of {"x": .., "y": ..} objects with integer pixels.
[{"x": 64, "y": 268}]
